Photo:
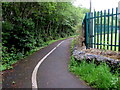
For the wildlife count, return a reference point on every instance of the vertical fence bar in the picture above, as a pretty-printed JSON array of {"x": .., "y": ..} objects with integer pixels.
[
  {"x": 116, "y": 28},
  {"x": 108, "y": 29},
  {"x": 86, "y": 30},
  {"x": 94, "y": 29},
  {"x": 101, "y": 31},
  {"x": 119, "y": 35},
  {"x": 104, "y": 28},
  {"x": 91, "y": 30},
  {"x": 112, "y": 29},
  {"x": 89, "y": 39},
  {"x": 97, "y": 29},
  {"x": 119, "y": 25}
]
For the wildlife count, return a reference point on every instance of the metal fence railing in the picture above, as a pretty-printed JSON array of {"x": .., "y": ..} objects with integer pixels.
[{"x": 102, "y": 30}]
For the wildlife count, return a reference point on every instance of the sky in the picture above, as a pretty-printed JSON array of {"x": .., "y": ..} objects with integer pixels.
[{"x": 98, "y": 5}]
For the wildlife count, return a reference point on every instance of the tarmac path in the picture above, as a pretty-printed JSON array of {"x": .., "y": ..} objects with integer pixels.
[{"x": 51, "y": 73}]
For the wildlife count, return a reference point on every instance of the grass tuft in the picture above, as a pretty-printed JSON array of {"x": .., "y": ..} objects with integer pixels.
[{"x": 97, "y": 76}]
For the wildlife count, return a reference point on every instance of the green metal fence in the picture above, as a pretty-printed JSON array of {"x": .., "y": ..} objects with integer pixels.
[{"x": 102, "y": 30}]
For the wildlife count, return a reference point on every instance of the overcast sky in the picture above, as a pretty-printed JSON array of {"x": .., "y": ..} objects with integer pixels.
[{"x": 97, "y": 4}]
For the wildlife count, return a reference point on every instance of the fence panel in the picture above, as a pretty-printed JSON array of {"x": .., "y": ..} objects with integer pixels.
[{"x": 102, "y": 30}]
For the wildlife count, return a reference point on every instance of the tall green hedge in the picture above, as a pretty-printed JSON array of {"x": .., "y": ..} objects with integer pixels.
[{"x": 27, "y": 25}]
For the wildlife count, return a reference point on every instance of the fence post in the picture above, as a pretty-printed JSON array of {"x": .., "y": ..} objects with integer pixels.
[
  {"x": 94, "y": 29},
  {"x": 119, "y": 22},
  {"x": 86, "y": 33},
  {"x": 83, "y": 30},
  {"x": 91, "y": 31}
]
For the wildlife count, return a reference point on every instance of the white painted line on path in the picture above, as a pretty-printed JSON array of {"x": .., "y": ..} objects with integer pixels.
[{"x": 34, "y": 74}]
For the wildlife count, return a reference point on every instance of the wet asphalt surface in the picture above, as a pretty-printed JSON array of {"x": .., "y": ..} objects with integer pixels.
[{"x": 52, "y": 73}]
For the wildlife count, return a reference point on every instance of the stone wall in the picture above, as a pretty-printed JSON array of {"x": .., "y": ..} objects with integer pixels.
[{"x": 81, "y": 55}]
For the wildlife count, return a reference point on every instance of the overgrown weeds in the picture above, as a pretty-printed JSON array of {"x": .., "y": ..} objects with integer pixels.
[{"x": 97, "y": 76}]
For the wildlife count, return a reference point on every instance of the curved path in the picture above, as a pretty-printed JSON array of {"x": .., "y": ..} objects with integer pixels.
[{"x": 52, "y": 73}]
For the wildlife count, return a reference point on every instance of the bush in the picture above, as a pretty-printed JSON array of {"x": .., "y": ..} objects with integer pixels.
[{"x": 27, "y": 26}]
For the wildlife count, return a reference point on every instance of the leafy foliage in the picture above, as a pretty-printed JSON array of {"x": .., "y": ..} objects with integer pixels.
[{"x": 29, "y": 25}]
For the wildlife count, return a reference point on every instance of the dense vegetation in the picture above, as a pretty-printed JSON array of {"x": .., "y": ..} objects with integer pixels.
[{"x": 27, "y": 25}]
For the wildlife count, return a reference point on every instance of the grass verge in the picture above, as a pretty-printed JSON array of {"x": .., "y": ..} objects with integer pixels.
[
  {"x": 96, "y": 76},
  {"x": 12, "y": 58}
]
